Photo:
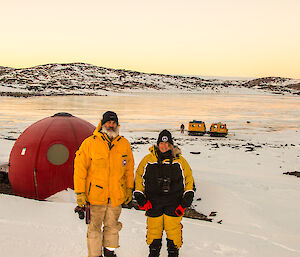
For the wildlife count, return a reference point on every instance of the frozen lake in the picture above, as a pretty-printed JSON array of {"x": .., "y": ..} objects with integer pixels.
[{"x": 155, "y": 111}]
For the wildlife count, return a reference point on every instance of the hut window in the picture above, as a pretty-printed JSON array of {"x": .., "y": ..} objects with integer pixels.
[{"x": 58, "y": 154}]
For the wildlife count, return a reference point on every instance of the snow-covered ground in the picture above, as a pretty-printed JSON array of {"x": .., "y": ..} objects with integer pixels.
[{"x": 240, "y": 177}]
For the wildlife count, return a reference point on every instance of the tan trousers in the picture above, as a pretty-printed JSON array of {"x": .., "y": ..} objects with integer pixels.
[
  {"x": 172, "y": 226},
  {"x": 109, "y": 235}
]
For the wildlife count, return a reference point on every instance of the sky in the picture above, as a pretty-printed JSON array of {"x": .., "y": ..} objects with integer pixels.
[{"x": 248, "y": 38}]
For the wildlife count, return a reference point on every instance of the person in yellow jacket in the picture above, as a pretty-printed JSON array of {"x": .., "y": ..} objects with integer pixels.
[
  {"x": 164, "y": 188},
  {"x": 104, "y": 177}
]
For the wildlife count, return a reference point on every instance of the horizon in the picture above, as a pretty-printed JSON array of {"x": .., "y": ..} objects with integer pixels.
[{"x": 231, "y": 38}]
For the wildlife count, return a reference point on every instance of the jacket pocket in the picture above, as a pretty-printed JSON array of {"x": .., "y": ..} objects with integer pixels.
[
  {"x": 99, "y": 161},
  {"x": 121, "y": 161},
  {"x": 96, "y": 193}
]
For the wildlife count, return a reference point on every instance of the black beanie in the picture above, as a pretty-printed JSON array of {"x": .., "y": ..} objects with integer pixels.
[
  {"x": 165, "y": 136},
  {"x": 109, "y": 115}
]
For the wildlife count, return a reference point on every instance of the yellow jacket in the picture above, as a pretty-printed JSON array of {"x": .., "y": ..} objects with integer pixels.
[{"x": 103, "y": 169}]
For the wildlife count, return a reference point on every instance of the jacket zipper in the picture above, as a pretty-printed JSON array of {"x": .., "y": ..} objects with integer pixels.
[{"x": 90, "y": 188}]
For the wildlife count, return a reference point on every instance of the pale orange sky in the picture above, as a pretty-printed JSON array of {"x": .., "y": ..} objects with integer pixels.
[{"x": 244, "y": 38}]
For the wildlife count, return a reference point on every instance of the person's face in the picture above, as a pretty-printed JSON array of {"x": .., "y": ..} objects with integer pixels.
[
  {"x": 110, "y": 125},
  {"x": 164, "y": 147}
]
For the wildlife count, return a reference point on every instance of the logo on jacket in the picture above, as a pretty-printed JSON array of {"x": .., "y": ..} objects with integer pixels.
[
  {"x": 124, "y": 162},
  {"x": 164, "y": 139}
]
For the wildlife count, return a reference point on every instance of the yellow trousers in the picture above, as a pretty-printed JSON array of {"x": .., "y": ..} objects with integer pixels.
[{"x": 172, "y": 226}]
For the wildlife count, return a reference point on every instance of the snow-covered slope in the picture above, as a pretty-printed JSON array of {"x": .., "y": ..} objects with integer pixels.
[
  {"x": 51, "y": 229},
  {"x": 85, "y": 79},
  {"x": 257, "y": 203}
]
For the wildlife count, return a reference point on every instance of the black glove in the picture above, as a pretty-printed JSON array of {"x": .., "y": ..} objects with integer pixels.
[
  {"x": 187, "y": 199},
  {"x": 80, "y": 211},
  {"x": 140, "y": 198}
]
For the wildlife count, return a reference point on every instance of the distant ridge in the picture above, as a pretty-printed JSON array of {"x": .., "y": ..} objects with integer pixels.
[{"x": 87, "y": 79}]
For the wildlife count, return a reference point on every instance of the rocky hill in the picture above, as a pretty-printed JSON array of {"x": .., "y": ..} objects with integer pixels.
[
  {"x": 275, "y": 84},
  {"x": 86, "y": 79}
]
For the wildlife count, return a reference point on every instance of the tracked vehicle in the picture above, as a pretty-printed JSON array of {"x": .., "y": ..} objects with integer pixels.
[
  {"x": 196, "y": 128},
  {"x": 218, "y": 130}
]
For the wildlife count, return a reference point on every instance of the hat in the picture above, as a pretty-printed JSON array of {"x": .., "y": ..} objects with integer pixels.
[
  {"x": 165, "y": 136},
  {"x": 109, "y": 115}
]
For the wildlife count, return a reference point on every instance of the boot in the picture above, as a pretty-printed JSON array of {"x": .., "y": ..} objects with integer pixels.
[
  {"x": 172, "y": 249},
  {"x": 108, "y": 253},
  {"x": 154, "y": 248}
]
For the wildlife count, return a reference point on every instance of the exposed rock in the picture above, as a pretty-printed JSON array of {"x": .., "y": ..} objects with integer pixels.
[
  {"x": 195, "y": 152},
  {"x": 5, "y": 187},
  {"x": 293, "y": 173},
  {"x": 277, "y": 85},
  {"x": 86, "y": 79}
]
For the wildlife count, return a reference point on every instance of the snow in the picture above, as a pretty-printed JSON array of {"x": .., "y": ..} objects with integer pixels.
[
  {"x": 82, "y": 78},
  {"x": 258, "y": 205}
]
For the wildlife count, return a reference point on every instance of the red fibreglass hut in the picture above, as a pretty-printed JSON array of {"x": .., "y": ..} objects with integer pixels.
[{"x": 41, "y": 160}]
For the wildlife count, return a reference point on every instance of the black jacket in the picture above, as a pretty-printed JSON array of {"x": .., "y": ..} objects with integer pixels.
[{"x": 164, "y": 180}]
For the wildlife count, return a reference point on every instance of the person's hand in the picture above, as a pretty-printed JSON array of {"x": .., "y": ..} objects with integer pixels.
[
  {"x": 128, "y": 196},
  {"x": 179, "y": 211},
  {"x": 81, "y": 199},
  {"x": 187, "y": 199},
  {"x": 143, "y": 203},
  {"x": 147, "y": 206},
  {"x": 140, "y": 198}
]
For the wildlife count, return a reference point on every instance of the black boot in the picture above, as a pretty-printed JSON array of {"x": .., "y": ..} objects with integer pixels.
[
  {"x": 154, "y": 248},
  {"x": 108, "y": 253},
  {"x": 172, "y": 249}
]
